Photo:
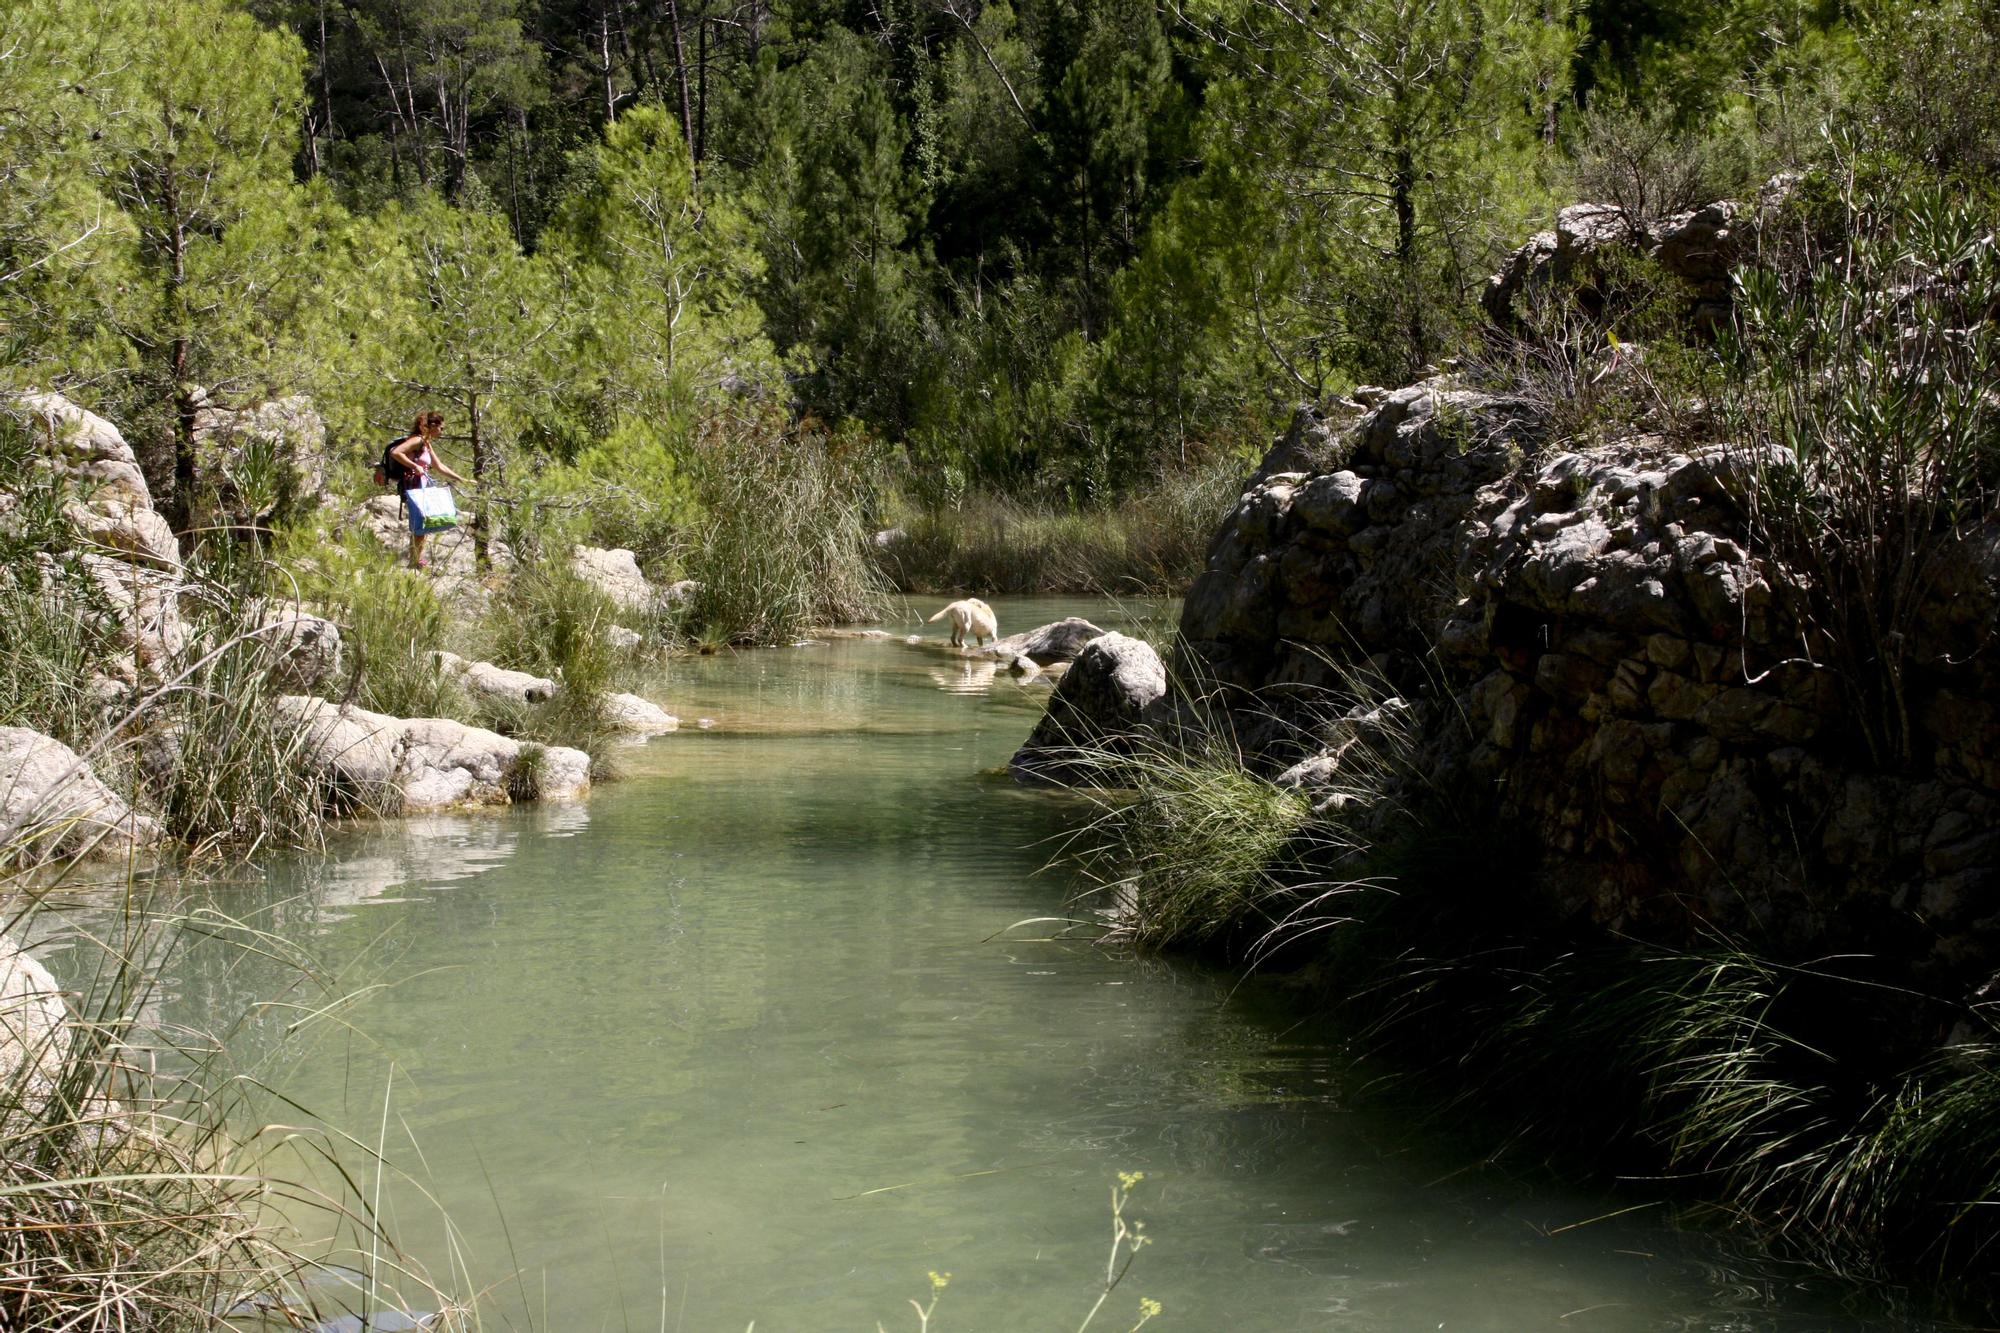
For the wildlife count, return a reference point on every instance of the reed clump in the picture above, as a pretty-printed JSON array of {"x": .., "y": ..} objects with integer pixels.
[
  {"x": 1851, "y": 1119},
  {"x": 784, "y": 539},
  {"x": 129, "y": 1198},
  {"x": 1152, "y": 542}
]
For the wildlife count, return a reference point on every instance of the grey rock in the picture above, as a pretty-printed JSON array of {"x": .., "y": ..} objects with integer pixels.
[
  {"x": 1100, "y": 708},
  {"x": 53, "y": 807},
  {"x": 1059, "y": 641}
]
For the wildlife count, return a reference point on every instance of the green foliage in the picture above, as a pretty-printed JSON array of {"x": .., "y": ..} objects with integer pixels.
[
  {"x": 1858, "y": 400},
  {"x": 1153, "y": 542},
  {"x": 785, "y": 539},
  {"x": 547, "y": 620}
]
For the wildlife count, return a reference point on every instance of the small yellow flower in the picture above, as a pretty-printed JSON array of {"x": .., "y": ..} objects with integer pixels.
[
  {"x": 1149, "y": 1307},
  {"x": 1127, "y": 1179},
  {"x": 939, "y": 1281}
]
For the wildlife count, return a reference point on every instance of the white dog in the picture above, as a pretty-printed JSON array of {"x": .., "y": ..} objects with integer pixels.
[{"x": 970, "y": 616}]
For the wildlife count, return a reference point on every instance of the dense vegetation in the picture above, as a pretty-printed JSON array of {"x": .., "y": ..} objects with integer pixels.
[{"x": 1066, "y": 250}]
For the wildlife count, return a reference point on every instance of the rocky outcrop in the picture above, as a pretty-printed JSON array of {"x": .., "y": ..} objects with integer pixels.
[
  {"x": 391, "y": 764},
  {"x": 262, "y": 461},
  {"x": 1060, "y": 641},
  {"x": 1103, "y": 707},
  {"x": 1592, "y": 654},
  {"x": 1697, "y": 248},
  {"x": 127, "y": 551},
  {"x": 52, "y": 806},
  {"x": 307, "y": 645}
]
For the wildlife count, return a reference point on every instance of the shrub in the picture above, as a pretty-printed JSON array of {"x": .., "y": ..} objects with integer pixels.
[
  {"x": 1858, "y": 397},
  {"x": 785, "y": 538}
]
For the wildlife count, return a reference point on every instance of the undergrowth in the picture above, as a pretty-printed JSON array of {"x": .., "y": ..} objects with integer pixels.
[{"x": 1153, "y": 542}]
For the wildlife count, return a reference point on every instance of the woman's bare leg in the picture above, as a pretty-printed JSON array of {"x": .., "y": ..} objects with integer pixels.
[{"x": 417, "y": 540}]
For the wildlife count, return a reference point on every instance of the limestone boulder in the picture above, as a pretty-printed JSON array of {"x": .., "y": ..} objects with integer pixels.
[
  {"x": 146, "y": 604},
  {"x": 124, "y": 530},
  {"x": 308, "y": 646},
  {"x": 52, "y": 805},
  {"x": 1060, "y": 641},
  {"x": 264, "y": 460},
  {"x": 355, "y": 753},
  {"x": 34, "y": 1031},
  {"x": 413, "y": 765},
  {"x": 639, "y": 717},
  {"x": 86, "y": 449},
  {"x": 1102, "y": 707},
  {"x": 446, "y": 763},
  {"x": 497, "y": 682},
  {"x": 615, "y": 572}
]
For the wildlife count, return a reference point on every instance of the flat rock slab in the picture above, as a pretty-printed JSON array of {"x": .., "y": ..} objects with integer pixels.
[
  {"x": 497, "y": 682},
  {"x": 432, "y": 763}
]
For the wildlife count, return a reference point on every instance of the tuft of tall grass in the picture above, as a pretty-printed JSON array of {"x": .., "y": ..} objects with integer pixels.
[
  {"x": 548, "y": 620},
  {"x": 784, "y": 545},
  {"x": 1152, "y": 542},
  {"x": 128, "y": 1198},
  {"x": 216, "y": 757}
]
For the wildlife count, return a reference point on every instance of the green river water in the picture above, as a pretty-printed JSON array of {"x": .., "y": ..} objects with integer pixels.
[{"x": 745, "y": 1037}]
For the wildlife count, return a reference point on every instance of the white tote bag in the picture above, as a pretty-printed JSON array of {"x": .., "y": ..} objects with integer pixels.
[{"x": 436, "y": 507}]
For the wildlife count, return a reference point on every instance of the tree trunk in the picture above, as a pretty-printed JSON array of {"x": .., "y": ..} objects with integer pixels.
[
  {"x": 181, "y": 513},
  {"x": 681, "y": 75},
  {"x": 701, "y": 94},
  {"x": 481, "y": 555},
  {"x": 1403, "y": 190}
]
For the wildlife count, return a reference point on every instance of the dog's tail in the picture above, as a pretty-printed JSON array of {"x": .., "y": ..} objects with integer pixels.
[{"x": 942, "y": 614}]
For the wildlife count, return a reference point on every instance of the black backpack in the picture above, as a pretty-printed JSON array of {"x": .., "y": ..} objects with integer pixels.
[{"x": 390, "y": 471}]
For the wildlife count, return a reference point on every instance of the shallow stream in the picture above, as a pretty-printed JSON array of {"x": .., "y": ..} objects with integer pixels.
[{"x": 748, "y": 1037}]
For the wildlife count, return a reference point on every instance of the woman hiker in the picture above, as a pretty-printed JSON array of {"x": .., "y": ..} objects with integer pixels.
[{"x": 419, "y": 459}]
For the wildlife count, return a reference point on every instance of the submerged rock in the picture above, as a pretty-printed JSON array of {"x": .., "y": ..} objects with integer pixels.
[{"x": 52, "y": 806}]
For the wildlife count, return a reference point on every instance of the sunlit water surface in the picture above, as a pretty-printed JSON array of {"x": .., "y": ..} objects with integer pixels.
[{"x": 755, "y": 1034}]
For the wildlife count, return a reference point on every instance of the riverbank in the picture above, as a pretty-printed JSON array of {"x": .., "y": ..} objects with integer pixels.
[{"x": 1622, "y": 771}]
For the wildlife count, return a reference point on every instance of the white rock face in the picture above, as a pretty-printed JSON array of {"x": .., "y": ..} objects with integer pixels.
[
  {"x": 87, "y": 449},
  {"x": 288, "y": 430},
  {"x": 420, "y": 764},
  {"x": 56, "y": 807},
  {"x": 129, "y": 551},
  {"x": 640, "y": 717},
  {"x": 497, "y": 682},
  {"x": 34, "y": 1027},
  {"x": 615, "y": 573},
  {"x": 128, "y": 530}
]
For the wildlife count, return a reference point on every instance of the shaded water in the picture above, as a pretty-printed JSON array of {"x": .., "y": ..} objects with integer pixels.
[{"x": 746, "y": 1037}]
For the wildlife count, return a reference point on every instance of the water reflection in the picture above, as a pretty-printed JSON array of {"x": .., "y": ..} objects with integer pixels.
[{"x": 748, "y": 1029}]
